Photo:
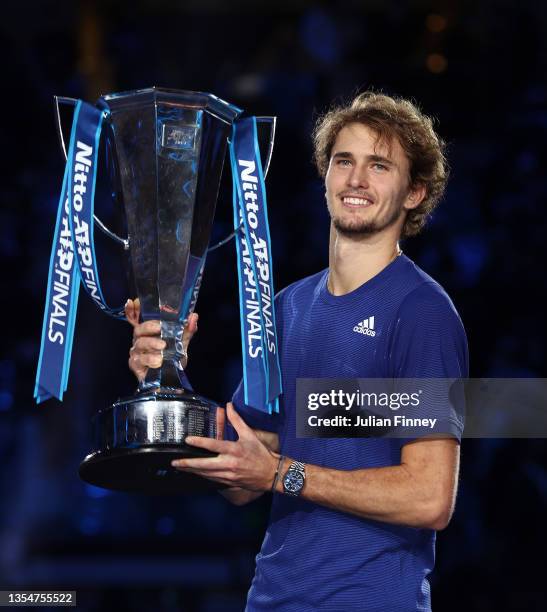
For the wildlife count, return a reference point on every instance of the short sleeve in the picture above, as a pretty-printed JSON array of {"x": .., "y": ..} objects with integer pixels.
[{"x": 429, "y": 342}]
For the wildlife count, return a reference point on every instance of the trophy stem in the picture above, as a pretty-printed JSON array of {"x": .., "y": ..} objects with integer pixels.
[{"x": 167, "y": 376}]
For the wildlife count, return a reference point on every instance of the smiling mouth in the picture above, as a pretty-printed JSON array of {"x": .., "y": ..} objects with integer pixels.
[{"x": 356, "y": 202}]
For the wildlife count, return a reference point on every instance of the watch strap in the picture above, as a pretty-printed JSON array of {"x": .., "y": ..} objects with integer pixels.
[{"x": 300, "y": 468}]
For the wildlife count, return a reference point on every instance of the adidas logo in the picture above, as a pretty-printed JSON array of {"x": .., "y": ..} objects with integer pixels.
[{"x": 365, "y": 327}]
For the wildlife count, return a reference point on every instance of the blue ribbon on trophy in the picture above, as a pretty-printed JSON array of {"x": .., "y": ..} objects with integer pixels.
[
  {"x": 73, "y": 242},
  {"x": 261, "y": 370},
  {"x": 73, "y": 261}
]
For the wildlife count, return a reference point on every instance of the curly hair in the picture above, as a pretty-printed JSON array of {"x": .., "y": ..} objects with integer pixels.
[{"x": 391, "y": 118}]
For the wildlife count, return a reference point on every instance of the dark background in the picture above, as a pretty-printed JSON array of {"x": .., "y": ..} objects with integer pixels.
[{"x": 479, "y": 67}]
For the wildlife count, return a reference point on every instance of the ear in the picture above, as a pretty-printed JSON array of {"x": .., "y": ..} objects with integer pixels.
[{"x": 415, "y": 195}]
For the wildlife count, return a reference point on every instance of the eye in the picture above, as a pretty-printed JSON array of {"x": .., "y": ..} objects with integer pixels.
[
  {"x": 379, "y": 166},
  {"x": 344, "y": 163}
]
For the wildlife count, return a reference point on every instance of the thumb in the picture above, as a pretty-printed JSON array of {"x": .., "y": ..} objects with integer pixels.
[
  {"x": 132, "y": 311},
  {"x": 238, "y": 423},
  {"x": 190, "y": 329}
]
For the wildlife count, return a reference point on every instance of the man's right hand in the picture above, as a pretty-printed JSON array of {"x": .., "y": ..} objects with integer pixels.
[
  {"x": 237, "y": 495},
  {"x": 147, "y": 349}
]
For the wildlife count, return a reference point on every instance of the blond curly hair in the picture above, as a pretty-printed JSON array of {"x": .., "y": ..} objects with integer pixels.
[{"x": 392, "y": 117}]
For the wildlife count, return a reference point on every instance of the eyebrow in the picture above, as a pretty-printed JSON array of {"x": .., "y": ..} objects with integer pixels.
[{"x": 373, "y": 158}]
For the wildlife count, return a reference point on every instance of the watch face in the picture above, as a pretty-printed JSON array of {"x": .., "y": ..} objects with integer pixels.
[{"x": 294, "y": 481}]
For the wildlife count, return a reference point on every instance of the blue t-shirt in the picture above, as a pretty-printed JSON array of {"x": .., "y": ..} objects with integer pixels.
[{"x": 316, "y": 558}]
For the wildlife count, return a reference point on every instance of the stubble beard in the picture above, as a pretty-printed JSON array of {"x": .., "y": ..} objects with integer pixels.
[{"x": 355, "y": 228}]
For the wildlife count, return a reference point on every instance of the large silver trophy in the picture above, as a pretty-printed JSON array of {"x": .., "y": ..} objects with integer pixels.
[{"x": 168, "y": 149}]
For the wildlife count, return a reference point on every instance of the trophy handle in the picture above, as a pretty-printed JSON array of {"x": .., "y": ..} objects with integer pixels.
[
  {"x": 272, "y": 121},
  {"x": 102, "y": 226}
]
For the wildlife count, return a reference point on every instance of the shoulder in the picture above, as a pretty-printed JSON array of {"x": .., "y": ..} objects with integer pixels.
[
  {"x": 424, "y": 296},
  {"x": 428, "y": 337},
  {"x": 301, "y": 288},
  {"x": 426, "y": 320}
]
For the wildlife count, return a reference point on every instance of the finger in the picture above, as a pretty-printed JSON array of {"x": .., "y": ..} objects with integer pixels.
[
  {"x": 190, "y": 329},
  {"x": 140, "y": 362},
  {"x": 131, "y": 313},
  {"x": 239, "y": 424},
  {"x": 148, "y": 344},
  {"x": 139, "y": 374},
  {"x": 210, "y": 444},
  {"x": 220, "y": 421},
  {"x": 152, "y": 360},
  {"x": 137, "y": 368},
  {"x": 192, "y": 323},
  {"x": 145, "y": 358},
  {"x": 148, "y": 328},
  {"x": 206, "y": 464}
]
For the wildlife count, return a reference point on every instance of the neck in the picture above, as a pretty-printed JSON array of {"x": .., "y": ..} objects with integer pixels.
[{"x": 354, "y": 261}]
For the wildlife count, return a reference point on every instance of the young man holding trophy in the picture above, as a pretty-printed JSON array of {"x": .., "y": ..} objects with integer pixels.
[{"x": 353, "y": 520}]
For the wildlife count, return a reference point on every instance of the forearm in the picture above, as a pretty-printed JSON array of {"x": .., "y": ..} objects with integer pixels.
[
  {"x": 389, "y": 494},
  {"x": 239, "y": 496},
  {"x": 419, "y": 492}
]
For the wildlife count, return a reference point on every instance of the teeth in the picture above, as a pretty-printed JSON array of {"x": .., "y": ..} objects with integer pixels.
[{"x": 357, "y": 201}]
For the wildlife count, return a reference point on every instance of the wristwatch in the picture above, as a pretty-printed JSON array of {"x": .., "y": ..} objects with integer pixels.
[{"x": 293, "y": 481}]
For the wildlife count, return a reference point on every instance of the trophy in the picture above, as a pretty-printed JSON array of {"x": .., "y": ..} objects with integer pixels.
[{"x": 166, "y": 151}]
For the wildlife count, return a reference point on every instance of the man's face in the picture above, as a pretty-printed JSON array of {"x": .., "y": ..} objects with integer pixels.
[{"x": 367, "y": 183}]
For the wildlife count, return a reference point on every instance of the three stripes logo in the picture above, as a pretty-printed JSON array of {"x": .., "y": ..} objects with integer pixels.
[{"x": 365, "y": 327}]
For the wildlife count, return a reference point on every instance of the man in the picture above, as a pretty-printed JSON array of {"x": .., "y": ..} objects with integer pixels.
[{"x": 353, "y": 521}]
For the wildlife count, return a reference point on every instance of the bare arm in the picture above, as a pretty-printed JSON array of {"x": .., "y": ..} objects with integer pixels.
[{"x": 419, "y": 492}]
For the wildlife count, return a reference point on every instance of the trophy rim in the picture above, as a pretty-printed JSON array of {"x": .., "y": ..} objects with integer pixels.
[
  {"x": 197, "y": 99},
  {"x": 160, "y": 395}
]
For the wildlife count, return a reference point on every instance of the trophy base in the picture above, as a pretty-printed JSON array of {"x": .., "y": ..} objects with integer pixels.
[
  {"x": 138, "y": 437},
  {"x": 144, "y": 470}
]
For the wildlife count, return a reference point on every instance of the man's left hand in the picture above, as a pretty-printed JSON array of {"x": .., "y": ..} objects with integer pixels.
[{"x": 247, "y": 463}]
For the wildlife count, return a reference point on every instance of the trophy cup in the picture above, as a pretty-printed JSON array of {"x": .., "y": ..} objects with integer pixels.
[{"x": 167, "y": 151}]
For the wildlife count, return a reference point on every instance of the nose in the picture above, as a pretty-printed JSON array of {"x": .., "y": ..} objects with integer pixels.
[{"x": 358, "y": 177}]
